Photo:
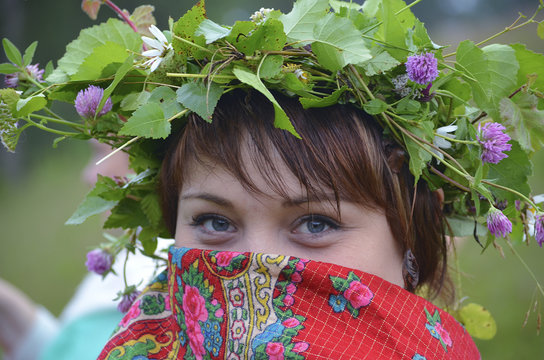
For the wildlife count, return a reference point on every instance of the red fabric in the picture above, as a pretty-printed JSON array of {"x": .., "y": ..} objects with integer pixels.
[{"x": 225, "y": 305}]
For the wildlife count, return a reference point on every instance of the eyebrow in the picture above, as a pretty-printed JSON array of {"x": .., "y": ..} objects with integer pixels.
[
  {"x": 298, "y": 201},
  {"x": 209, "y": 197}
]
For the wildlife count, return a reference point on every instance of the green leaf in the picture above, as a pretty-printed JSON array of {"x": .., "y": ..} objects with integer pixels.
[
  {"x": 375, "y": 107},
  {"x": 29, "y": 53},
  {"x": 30, "y": 104},
  {"x": 478, "y": 321},
  {"x": 148, "y": 122},
  {"x": 267, "y": 37},
  {"x": 512, "y": 172},
  {"x": 340, "y": 284},
  {"x": 119, "y": 75},
  {"x": 211, "y": 31},
  {"x": 148, "y": 238},
  {"x": 167, "y": 99},
  {"x": 408, "y": 106},
  {"x": 126, "y": 214},
  {"x": 394, "y": 28},
  {"x": 114, "y": 31},
  {"x": 299, "y": 23},
  {"x": 101, "y": 56},
  {"x": 463, "y": 227},
  {"x": 531, "y": 69},
  {"x": 281, "y": 120},
  {"x": 93, "y": 204},
  {"x": 419, "y": 157},
  {"x": 540, "y": 30},
  {"x": 524, "y": 120},
  {"x": 8, "y": 68},
  {"x": 134, "y": 100},
  {"x": 271, "y": 66},
  {"x": 200, "y": 98},
  {"x": 323, "y": 102},
  {"x": 494, "y": 72},
  {"x": 12, "y": 53},
  {"x": 380, "y": 62},
  {"x": 152, "y": 209},
  {"x": 185, "y": 28},
  {"x": 337, "y": 43},
  {"x": 240, "y": 32}
]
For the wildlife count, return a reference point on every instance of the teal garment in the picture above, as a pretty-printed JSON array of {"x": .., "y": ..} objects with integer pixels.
[{"x": 84, "y": 337}]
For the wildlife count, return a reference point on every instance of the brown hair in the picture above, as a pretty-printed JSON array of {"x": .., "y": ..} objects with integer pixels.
[{"x": 342, "y": 148}]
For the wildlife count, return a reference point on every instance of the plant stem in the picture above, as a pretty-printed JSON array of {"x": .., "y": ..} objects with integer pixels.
[
  {"x": 192, "y": 43},
  {"x": 200, "y": 76},
  {"x": 512, "y": 27},
  {"x": 512, "y": 191},
  {"x": 58, "y": 121},
  {"x": 448, "y": 179},
  {"x": 54, "y": 131},
  {"x": 526, "y": 267},
  {"x": 122, "y": 14},
  {"x": 181, "y": 113},
  {"x": 470, "y": 142}
]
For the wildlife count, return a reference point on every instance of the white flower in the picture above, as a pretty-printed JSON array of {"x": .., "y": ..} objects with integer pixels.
[
  {"x": 260, "y": 16},
  {"x": 531, "y": 215},
  {"x": 439, "y": 140},
  {"x": 160, "y": 47}
]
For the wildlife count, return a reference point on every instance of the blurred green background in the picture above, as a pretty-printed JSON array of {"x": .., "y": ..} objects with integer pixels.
[{"x": 40, "y": 187}]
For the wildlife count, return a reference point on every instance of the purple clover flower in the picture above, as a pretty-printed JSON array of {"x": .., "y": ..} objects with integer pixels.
[
  {"x": 539, "y": 229},
  {"x": 422, "y": 69},
  {"x": 87, "y": 102},
  {"x": 497, "y": 223},
  {"x": 493, "y": 141},
  {"x": 32, "y": 71},
  {"x": 99, "y": 261},
  {"x": 127, "y": 300}
]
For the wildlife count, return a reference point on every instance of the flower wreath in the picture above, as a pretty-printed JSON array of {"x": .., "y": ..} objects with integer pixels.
[{"x": 468, "y": 119}]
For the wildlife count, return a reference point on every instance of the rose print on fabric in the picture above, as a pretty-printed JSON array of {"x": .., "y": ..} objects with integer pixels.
[
  {"x": 200, "y": 315},
  {"x": 434, "y": 325},
  {"x": 352, "y": 295},
  {"x": 133, "y": 312}
]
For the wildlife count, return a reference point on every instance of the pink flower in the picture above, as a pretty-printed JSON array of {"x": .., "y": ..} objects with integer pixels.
[
  {"x": 236, "y": 297},
  {"x": 196, "y": 339},
  {"x": 238, "y": 329},
  {"x": 296, "y": 278},
  {"x": 291, "y": 288},
  {"x": 291, "y": 322},
  {"x": 539, "y": 229},
  {"x": 127, "y": 300},
  {"x": 87, "y": 102},
  {"x": 225, "y": 257},
  {"x": 99, "y": 261},
  {"x": 288, "y": 300},
  {"x": 300, "y": 347},
  {"x": 194, "y": 305},
  {"x": 358, "y": 294},
  {"x": 300, "y": 266},
  {"x": 275, "y": 351},
  {"x": 167, "y": 303},
  {"x": 132, "y": 313},
  {"x": 422, "y": 69},
  {"x": 497, "y": 223},
  {"x": 219, "y": 313},
  {"x": 443, "y": 334},
  {"x": 493, "y": 141}
]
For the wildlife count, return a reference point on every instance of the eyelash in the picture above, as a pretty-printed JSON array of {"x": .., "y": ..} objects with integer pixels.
[
  {"x": 333, "y": 225},
  {"x": 199, "y": 220}
]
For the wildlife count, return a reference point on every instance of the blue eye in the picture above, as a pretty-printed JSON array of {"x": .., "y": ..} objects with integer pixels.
[
  {"x": 315, "y": 224},
  {"x": 213, "y": 223}
]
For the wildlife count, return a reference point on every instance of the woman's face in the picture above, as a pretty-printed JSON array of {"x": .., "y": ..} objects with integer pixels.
[{"x": 216, "y": 212}]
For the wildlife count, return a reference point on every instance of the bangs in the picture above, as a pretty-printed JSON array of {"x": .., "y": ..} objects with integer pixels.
[{"x": 337, "y": 154}]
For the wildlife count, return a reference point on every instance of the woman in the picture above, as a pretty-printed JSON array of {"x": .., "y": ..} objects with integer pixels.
[{"x": 341, "y": 197}]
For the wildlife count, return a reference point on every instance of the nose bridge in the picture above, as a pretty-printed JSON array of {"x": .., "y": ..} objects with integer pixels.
[{"x": 262, "y": 236}]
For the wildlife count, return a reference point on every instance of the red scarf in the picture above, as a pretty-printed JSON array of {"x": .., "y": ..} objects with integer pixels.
[{"x": 229, "y": 305}]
